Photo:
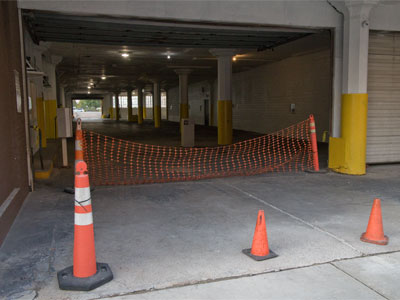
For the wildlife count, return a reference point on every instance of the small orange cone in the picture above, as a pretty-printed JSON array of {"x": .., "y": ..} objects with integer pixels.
[
  {"x": 374, "y": 233},
  {"x": 260, "y": 249}
]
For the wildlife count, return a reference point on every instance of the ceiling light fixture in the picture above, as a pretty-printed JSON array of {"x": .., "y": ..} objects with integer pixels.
[
  {"x": 89, "y": 87},
  {"x": 124, "y": 54},
  {"x": 234, "y": 58},
  {"x": 169, "y": 57},
  {"x": 88, "y": 92},
  {"x": 103, "y": 77}
]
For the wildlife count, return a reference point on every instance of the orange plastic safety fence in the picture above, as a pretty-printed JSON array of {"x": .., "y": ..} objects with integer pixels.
[{"x": 113, "y": 161}]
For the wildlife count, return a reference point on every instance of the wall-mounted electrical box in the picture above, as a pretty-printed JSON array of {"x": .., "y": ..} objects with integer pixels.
[
  {"x": 292, "y": 108},
  {"x": 64, "y": 122}
]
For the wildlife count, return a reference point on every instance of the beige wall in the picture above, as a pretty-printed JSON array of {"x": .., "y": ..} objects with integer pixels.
[{"x": 262, "y": 96}]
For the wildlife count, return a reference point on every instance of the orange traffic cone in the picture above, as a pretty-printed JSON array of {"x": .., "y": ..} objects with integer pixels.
[
  {"x": 260, "y": 249},
  {"x": 85, "y": 274},
  {"x": 78, "y": 142},
  {"x": 374, "y": 233},
  {"x": 78, "y": 150}
]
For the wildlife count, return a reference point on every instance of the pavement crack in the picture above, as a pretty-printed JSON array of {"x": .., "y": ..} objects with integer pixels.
[
  {"x": 296, "y": 218},
  {"x": 358, "y": 280}
]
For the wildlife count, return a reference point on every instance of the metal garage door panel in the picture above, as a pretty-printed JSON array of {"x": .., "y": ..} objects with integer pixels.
[{"x": 383, "y": 134}]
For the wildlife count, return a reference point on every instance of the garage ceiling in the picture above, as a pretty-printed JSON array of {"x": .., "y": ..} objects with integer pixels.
[
  {"x": 118, "y": 31},
  {"x": 92, "y": 46}
]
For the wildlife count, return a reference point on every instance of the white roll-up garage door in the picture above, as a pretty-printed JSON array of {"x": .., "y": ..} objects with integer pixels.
[{"x": 383, "y": 135}]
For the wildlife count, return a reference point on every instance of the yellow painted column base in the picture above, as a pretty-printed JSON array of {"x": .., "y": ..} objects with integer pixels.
[
  {"x": 117, "y": 114},
  {"x": 50, "y": 107},
  {"x": 144, "y": 113},
  {"x": 130, "y": 116},
  {"x": 347, "y": 154},
  {"x": 41, "y": 120},
  {"x": 224, "y": 122},
  {"x": 184, "y": 111},
  {"x": 46, "y": 173},
  {"x": 140, "y": 115},
  {"x": 111, "y": 111},
  {"x": 157, "y": 116}
]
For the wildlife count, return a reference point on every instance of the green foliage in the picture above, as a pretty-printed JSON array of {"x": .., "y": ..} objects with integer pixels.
[{"x": 87, "y": 105}]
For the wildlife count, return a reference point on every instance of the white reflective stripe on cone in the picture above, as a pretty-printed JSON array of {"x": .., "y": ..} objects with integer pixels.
[
  {"x": 83, "y": 219},
  {"x": 82, "y": 194},
  {"x": 78, "y": 145}
]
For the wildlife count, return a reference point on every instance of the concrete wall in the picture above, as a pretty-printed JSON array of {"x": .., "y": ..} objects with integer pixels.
[
  {"x": 13, "y": 155},
  {"x": 262, "y": 96}
]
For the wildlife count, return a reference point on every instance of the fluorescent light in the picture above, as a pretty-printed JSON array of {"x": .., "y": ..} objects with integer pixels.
[
  {"x": 124, "y": 54},
  {"x": 103, "y": 77}
]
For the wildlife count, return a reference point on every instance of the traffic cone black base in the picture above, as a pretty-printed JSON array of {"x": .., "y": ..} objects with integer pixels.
[
  {"x": 67, "y": 281},
  {"x": 259, "y": 258}
]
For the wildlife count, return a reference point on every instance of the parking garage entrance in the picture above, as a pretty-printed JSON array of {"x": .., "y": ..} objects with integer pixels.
[{"x": 87, "y": 109}]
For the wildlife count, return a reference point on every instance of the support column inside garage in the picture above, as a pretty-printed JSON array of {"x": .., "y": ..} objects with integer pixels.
[
  {"x": 140, "y": 103},
  {"x": 129, "y": 94},
  {"x": 157, "y": 104},
  {"x": 183, "y": 93},
  {"x": 224, "y": 95},
  {"x": 347, "y": 154},
  {"x": 117, "y": 106}
]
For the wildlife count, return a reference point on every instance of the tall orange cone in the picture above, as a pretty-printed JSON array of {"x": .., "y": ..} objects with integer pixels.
[
  {"x": 374, "y": 233},
  {"x": 260, "y": 249},
  {"x": 85, "y": 274}
]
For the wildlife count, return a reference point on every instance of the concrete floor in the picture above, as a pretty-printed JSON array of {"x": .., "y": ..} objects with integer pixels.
[
  {"x": 184, "y": 240},
  {"x": 168, "y": 134}
]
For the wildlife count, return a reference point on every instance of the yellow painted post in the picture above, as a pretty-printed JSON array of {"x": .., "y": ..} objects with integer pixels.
[
  {"x": 184, "y": 112},
  {"x": 41, "y": 120},
  {"x": 157, "y": 116},
  {"x": 211, "y": 113},
  {"x": 348, "y": 154},
  {"x": 224, "y": 122},
  {"x": 140, "y": 115},
  {"x": 144, "y": 109},
  {"x": 50, "y": 107}
]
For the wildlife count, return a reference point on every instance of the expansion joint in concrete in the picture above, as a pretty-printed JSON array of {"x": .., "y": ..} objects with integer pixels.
[
  {"x": 296, "y": 218},
  {"x": 356, "y": 279}
]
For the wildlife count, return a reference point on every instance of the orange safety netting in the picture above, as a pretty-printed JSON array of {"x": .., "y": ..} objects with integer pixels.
[{"x": 113, "y": 161}]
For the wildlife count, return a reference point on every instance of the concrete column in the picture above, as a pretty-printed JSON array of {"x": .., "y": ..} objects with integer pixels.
[
  {"x": 183, "y": 93},
  {"x": 224, "y": 94},
  {"x": 117, "y": 106},
  {"x": 140, "y": 103},
  {"x": 337, "y": 81},
  {"x": 347, "y": 154},
  {"x": 211, "y": 101},
  {"x": 144, "y": 105},
  {"x": 129, "y": 93},
  {"x": 49, "y": 64},
  {"x": 156, "y": 104}
]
